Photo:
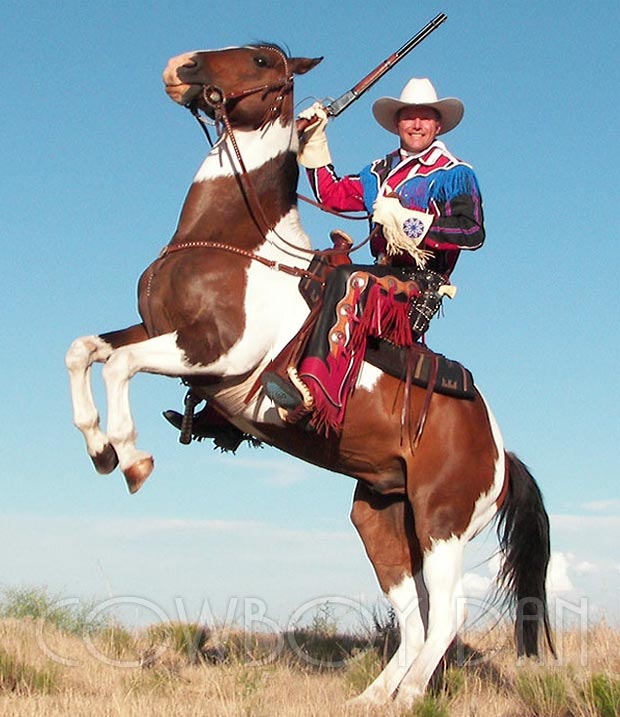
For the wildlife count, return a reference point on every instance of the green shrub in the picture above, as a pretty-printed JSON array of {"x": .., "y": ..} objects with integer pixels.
[
  {"x": 18, "y": 677},
  {"x": 159, "y": 680},
  {"x": 115, "y": 642},
  {"x": 187, "y": 639},
  {"x": 385, "y": 632},
  {"x": 429, "y": 706},
  {"x": 250, "y": 681},
  {"x": 452, "y": 682},
  {"x": 324, "y": 651},
  {"x": 36, "y": 603},
  {"x": 321, "y": 645},
  {"x": 604, "y": 693},
  {"x": 544, "y": 693},
  {"x": 361, "y": 669},
  {"x": 246, "y": 647}
]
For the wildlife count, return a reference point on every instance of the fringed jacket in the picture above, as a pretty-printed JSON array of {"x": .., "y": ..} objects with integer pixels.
[{"x": 433, "y": 181}]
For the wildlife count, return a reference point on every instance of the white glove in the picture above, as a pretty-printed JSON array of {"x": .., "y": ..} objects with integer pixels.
[
  {"x": 314, "y": 150},
  {"x": 403, "y": 229}
]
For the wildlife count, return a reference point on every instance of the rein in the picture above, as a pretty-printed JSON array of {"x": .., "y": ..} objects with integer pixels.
[
  {"x": 204, "y": 126},
  {"x": 335, "y": 212}
]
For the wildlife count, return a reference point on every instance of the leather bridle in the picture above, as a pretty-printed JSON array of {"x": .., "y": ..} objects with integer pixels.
[{"x": 218, "y": 100}]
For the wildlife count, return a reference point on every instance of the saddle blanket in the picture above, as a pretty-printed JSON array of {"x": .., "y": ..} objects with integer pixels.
[{"x": 452, "y": 379}]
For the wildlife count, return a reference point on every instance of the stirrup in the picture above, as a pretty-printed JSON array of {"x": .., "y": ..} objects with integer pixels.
[
  {"x": 307, "y": 403},
  {"x": 281, "y": 391},
  {"x": 292, "y": 397}
]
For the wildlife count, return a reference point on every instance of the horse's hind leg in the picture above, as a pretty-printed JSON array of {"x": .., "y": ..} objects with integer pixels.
[
  {"x": 385, "y": 525},
  {"x": 442, "y": 571},
  {"x": 79, "y": 359}
]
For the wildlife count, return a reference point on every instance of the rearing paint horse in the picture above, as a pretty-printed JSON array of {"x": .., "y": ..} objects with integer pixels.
[{"x": 222, "y": 300}]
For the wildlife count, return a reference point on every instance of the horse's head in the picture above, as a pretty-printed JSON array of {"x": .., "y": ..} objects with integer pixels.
[{"x": 252, "y": 84}]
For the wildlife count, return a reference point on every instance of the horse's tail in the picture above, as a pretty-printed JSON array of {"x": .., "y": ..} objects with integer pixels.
[{"x": 523, "y": 531}]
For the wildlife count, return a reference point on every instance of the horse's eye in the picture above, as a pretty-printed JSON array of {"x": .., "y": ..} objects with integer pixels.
[{"x": 261, "y": 61}]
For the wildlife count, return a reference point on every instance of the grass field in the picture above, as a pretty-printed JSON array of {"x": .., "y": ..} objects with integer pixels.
[{"x": 61, "y": 665}]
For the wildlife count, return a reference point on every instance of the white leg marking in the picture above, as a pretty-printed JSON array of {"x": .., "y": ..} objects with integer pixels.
[
  {"x": 406, "y": 601},
  {"x": 159, "y": 355},
  {"x": 442, "y": 569},
  {"x": 81, "y": 355}
]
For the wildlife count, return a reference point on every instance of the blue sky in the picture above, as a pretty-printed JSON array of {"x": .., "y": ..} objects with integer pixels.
[{"x": 97, "y": 161}]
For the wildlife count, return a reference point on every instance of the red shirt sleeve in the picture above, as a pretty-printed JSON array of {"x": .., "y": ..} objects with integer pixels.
[{"x": 343, "y": 194}]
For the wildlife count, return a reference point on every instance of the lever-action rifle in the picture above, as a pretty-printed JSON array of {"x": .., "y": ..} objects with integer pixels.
[{"x": 339, "y": 105}]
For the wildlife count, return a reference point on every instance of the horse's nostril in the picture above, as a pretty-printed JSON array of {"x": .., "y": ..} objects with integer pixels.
[{"x": 187, "y": 70}]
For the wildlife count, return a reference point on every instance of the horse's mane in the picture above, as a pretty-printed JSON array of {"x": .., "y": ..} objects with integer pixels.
[{"x": 271, "y": 45}]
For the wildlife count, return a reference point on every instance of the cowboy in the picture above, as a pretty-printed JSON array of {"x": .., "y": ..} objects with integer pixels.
[
  {"x": 426, "y": 207},
  {"x": 421, "y": 175}
]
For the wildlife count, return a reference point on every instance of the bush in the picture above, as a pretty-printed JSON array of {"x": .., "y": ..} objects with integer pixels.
[
  {"x": 544, "y": 693},
  {"x": 19, "y": 677},
  {"x": 362, "y": 669},
  {"x": 37, "y": 604},
  {"x": 603, "y": 692},
  {"x": 429, "y": 706},
  {"x": 186, "y": 639},
  {"x": 116, "y": 643}
]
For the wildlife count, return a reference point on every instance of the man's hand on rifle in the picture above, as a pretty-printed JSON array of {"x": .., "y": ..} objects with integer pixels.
[{"x": 314, "y": 150}]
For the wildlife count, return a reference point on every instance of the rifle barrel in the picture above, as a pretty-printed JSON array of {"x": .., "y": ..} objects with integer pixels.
[{"x": 341, "y": 103}]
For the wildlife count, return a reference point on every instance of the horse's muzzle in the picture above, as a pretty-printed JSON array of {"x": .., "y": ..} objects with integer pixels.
[{"x": 179, "y": 83}]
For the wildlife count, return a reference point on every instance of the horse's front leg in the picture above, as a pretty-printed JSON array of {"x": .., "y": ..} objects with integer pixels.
[
  {"x": 79, "y": 359},
  {"x": 81, "y": 355},
  {"x": 159, "y": 355}
]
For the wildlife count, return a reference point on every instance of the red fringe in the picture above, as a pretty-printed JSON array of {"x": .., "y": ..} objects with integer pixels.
[
  {"x": 333, "y": 381},
  {"x": 386, "y": 317}
]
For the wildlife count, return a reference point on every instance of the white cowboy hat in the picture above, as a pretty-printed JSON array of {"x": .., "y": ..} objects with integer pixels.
[{"x": 418, "y": 92}]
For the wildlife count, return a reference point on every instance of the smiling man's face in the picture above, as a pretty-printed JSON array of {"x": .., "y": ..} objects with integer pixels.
[{"x": 417, "y": 127}]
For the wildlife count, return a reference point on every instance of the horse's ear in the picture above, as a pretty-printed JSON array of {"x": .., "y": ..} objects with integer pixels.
[{"x": 301, "y": 65}]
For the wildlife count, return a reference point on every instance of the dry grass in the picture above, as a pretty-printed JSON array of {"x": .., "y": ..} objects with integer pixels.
[{"x": 115, "y": 673}]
